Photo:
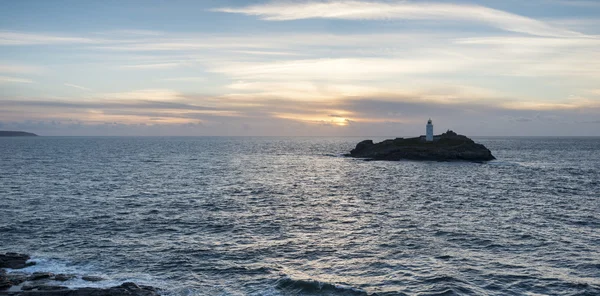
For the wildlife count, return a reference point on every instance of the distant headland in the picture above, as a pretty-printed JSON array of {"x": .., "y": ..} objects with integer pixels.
[
  {"x": 16, "y": 134},
  {"x": 448, "y": 146}
]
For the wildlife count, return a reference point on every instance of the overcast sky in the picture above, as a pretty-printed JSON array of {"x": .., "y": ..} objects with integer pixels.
[{"x": 300, "y": 68}]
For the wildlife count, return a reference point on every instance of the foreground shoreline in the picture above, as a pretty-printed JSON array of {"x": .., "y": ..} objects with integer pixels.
[{"x": 49, "y": 284}]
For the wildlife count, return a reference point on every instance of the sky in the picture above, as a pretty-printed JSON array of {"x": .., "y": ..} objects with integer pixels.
[{"x": 300, "y": 68}]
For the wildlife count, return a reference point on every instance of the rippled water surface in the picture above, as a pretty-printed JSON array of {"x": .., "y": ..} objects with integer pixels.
[{"x": 290, "y": 216}]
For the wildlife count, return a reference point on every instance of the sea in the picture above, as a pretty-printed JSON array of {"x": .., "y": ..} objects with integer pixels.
[{"x": 293, "y": 216}]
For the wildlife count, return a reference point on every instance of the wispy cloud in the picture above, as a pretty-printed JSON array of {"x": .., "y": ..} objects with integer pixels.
[
  {"x": 133, "y": 32},
  {"x": 153, "y": 66},
  {"x": 164, "y": 95},
  {"x": 77, "y": 86},
  {"x": 5, "y": 79},
  {"x": 20, "y": 69},
  {"x": 17, "y": 38},
  {"x": 573, "y": 103},
  {"x": 184, "y": 79},
  {"x": 266, "y": 53},
  {"x": 273, "y": 44},
  {"x": 362, "y": 10},
  {"x": 578, "y": 3},
  {"x": 541, "y": 42},
  {"x": 368, "y": 115},
  {"x": 338, "y": 69}
]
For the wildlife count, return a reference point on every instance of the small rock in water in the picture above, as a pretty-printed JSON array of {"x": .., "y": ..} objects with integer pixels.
[
  {"x": 28, "y": 287},
  {"x": 39, "y": 284},
  {"x": 91, "y": 278},
  {"x": 130, "y": 286},
  {"x": 42, "y": 287},
  {"x": 50, "y": 288},
  {"x": 4, "y": 282},
  {"x": 40, "y": 275},
  {"x": 63, "y": 277},
  {"x": 17, "y": 278},
  {"x": 14, "y": 260}
]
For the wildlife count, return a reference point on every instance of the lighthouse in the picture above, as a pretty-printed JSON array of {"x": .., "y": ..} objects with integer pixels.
[{"x": 429, "y": 131}]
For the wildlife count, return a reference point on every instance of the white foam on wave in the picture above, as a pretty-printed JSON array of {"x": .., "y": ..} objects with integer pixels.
[
  {"x": 503, "y": 163},
  {"x": 55, "y": 266},
  {"x": 58, "y": 266}
]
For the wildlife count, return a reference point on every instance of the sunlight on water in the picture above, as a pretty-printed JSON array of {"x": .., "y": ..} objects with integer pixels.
[{"x": 288, "y": 216}]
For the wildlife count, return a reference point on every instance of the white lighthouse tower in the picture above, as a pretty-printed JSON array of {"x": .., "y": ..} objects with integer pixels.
[{"x": 429, "y": 131}]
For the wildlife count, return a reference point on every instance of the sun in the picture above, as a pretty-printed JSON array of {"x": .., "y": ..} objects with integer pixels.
[{"x": 340, "y": 121}]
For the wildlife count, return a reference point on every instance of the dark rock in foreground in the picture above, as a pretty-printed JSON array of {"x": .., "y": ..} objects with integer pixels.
[
  {"x": 312, "y": 287},
  {"x": 46, "y": 283},
  {"x": 61, "y": 277},
  {"x": 126, "y": 289},
  {"x": 36, "y": 276},
  {"x": 91, "y": 278},
  {"x": 16, "y": 134},
  {"x": 14, "y": 260},
  {"x": 448, "y": 146}
]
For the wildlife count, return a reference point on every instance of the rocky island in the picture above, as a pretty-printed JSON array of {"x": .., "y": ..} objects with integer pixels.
[
  {"x": 49, "y": 284},
  {"x": 16, "y": 134},
  {"x": 448, "y": 146}
]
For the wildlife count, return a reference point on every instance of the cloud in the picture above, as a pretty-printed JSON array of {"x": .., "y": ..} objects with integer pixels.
[
  {"x": 106, "y": 104},
  {"x": 338, "y": 68},
  {"x": 359, "y": 116},
  {"x": 541, "y": 42},
  {"x": 370, "y": 114},
  {"x": 153, "y": 66},
  {"x": 130, "y": 32},
  {"x": 267, "y": 53},
  {"x": 578, "y": 3},
  {"x": 572, "y": 103},
  {"x": 20, "y": 69},
  {"x": 77, "y": 86},
  {"x": 181, "y": 44},
  {"x": 273, "y": 44},
  {"x": 360, "y": 10},
  {"x": 17, "y": 38},
  {"x": 184, "y": 79},
  {"x": 5, "y": 79}
]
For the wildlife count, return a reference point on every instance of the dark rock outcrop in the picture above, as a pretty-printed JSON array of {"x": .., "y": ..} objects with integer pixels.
[
  {"x": 91, "y": 278},
  {"x": 16, "y": 134},
  {"x": 43, "y": 283},
  {"x": 126, "y": 289},
  {"x": 14, "y": 260},
  {"x": 61, "y": 277},
  {"x": 448, "y": 146},
  {"x": 16, "y": 278},
  {"x": 40, "y": 276},
  {"x": 4, "y": 281},
  {"x": 42, "y": 287}
]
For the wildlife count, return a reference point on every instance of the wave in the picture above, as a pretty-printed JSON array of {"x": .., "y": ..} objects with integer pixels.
[
  {"x": 314, "y": 287},
  {"x": 504, "y": 163},
  {"x": 335, "y": 154},
  {"x": 60, "y": 266}
]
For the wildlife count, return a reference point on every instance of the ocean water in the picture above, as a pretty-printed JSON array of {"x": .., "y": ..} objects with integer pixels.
[{"x": 291, "y": 216}]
